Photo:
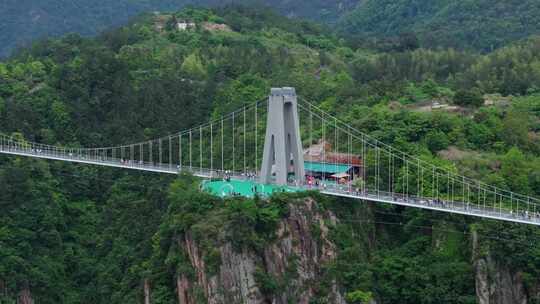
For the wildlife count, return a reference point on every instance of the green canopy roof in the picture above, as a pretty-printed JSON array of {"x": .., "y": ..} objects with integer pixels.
[
  {"x": 243, "y": 188},
  {"x": 326, "y": 167}
]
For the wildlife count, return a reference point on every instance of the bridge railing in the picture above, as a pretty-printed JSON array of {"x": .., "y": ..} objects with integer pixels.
[
  {"x": 19, "y": 147},
  {"x": 383, "y": 168},
  {"x": 386, "y": 168}
]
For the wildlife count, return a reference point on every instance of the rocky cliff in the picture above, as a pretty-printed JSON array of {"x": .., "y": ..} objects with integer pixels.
[
  {"x": 496, "y": 283},
  {"x": 286, "y": 271}
]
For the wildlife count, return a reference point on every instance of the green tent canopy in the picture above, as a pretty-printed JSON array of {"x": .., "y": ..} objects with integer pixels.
[{"x": 326, "y": 167}]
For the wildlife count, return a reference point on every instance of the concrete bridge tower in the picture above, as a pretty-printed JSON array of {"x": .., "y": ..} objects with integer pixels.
[{"x": 283, "y": 153}]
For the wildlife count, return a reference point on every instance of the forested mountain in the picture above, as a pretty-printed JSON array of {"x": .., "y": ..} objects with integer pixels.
[
  {"x": 481, "y": 25},
  {"x": 472, "y": 24},
  {"x": 28, "y": 20},
  {"x": 83, "y": 234}
]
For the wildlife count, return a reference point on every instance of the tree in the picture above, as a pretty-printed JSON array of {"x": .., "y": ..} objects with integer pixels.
[
  {"x": 2, "y": 106},
  {"x": 515, "y": 128},
  {"x": 193, "y": 67},
  {"x": 515, "y": 169},
  {"x": 359, "y": 297},
  {"x": 436, "y": 141},
  {"x": 471, "y": 98},
  {"x": 31, "y": 249},
  {"x": 60, "y": 115},
  {"x": 479, "y": 134},
  {"x": 408, "y": 42},
  {"x": 535, "y": 177}
]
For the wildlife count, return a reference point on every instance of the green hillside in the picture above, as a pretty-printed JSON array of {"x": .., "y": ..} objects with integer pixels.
[
  {"x": 83, "y": 234},
  {"x": 472, "y": 24},
  {"x": 27, "y": 21}
]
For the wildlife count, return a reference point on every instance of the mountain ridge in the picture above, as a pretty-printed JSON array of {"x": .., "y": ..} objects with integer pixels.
[
  {"x": 481, "y": 25},
  {"x": 30, "y": 20}
]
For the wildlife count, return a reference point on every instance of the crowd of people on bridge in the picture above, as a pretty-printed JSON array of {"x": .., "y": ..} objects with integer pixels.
[{"x": 348, "y": 187}]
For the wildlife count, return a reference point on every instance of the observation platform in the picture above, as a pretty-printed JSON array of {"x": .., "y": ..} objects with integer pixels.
[{"x": 244, "y": 188}]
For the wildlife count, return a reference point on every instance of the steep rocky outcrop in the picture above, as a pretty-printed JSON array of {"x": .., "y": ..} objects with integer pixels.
[
  {"x": 302, "y": 236},
  {"x": 294, "y": 261},
  {"x": 25, "y": 296},
  {"x": 22, "y": 296},
  {"x": 496, "y": 283},
  {"x": 3, "y": 288},
  {"x": 146, "y": 289}
]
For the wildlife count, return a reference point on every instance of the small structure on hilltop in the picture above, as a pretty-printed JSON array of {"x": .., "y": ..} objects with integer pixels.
[
  {"x": 497, "y": 100},
  {"x": 436, "y": 105},
  {"x": 216, "y": 27},
  {"x": 160, "y": 21},
  {"x": 184, "y": 25},
  {"x": 321, "y": 162}
]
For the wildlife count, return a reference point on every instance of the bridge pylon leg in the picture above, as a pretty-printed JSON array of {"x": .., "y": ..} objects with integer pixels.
[{"x": 283, "y": 153}]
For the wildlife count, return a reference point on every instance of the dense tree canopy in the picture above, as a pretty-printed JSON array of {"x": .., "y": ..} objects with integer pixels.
[
  {"x": 29, "y": 20},
  {"x": 72, "y": 234},
  {"x": 482, "y": 25}
]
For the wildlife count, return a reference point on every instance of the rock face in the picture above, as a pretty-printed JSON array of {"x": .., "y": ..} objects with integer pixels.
[
  {"x": 297, "y": 239},
  {"x": 25, "y": 297},
  {"x": 146, "y": 291},
  {"x": 295, "y": 260},
  {"x": 496, "y": 283}
]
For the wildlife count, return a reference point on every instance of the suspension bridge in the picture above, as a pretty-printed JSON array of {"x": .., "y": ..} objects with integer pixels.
[{"x": 287, "y": 143}]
